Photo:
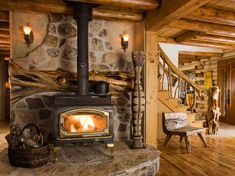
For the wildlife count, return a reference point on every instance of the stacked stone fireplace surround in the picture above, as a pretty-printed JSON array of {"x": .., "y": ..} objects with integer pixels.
[{"x": 58, "y": 50}]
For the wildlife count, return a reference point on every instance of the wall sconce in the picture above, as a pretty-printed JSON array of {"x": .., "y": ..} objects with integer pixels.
[
  {"x": 8, "y": 85},
  {"x": 28, "y": 34},
  {"x": 124, "y": 41}
]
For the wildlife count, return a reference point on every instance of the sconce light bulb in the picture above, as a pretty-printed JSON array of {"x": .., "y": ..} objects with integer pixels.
[
  {"x": 27, "y": 29},
  {"x": 125, "y": 37}
]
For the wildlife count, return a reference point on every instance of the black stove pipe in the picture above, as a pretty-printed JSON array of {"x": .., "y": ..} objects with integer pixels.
[{"x": 83, "y": 14}]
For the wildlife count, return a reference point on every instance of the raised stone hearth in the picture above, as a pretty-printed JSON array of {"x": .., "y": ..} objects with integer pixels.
[{"x": 91, "y": 160}]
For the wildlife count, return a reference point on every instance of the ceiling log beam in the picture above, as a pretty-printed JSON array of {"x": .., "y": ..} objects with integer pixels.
[
  {"x": 188, "y": 36},
  {"x": 210, "y": 28},
  {"x": 213, "y": 15},
  {"x": 209, "y": 44},
  {"x": 107, "y": 14},
  {"x": 66, "y": 9},
  {"x": 132, "y": 4},
  {"x": 199, "y": 54},
  {"x": 214, "y": 38},
  {"x": 170, "y": 11},
  {"x": 196, "y": 43}
]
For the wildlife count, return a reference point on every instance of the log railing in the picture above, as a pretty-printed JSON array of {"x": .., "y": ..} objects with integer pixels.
[{"x": 176, "y": 82}]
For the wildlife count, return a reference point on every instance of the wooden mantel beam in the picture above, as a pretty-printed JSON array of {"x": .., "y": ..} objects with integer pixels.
[
  {"x": 213, "y": 15},
  {"x": 134, "y": 4},
  {"x": 65, "y": 9},
  {"x": 170, "y": 11},
  {"x": 210, "y": 28},
  {"x": 188, "y": 36}
]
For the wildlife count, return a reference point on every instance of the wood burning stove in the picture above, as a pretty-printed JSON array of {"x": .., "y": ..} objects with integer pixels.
[
  {"x": 84, "y": 122},
  {"x": 83, "y": 118}
]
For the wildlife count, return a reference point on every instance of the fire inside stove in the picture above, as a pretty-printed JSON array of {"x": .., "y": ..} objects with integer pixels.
[{"x": 85, "y": 122}]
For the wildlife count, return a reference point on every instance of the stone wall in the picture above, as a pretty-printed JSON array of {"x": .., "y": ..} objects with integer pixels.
[
  {"x": 58, "y": 50},
  {"x": 59, "y": 47}
]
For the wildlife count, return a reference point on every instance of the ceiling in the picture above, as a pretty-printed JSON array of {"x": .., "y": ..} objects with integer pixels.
[{"x": 211, "y": 25}]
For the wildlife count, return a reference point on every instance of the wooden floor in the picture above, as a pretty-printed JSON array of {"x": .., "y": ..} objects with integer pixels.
[{"x": 218, "y": 159}]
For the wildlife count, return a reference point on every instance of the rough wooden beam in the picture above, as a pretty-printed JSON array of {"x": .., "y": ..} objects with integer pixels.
[
  {"x": 151, "y": 84},
  {"x": 209, "y": 44},
  {"x": 133, "y": 4},
  {"x": 211, "y": 28},
  {"x": 4, "y": 47},
  {"x": 196, "y": 43},
  {"x": 170, "y": 11},
  {"x": 188, "y": 35},
  {"x": 4, "y": 40},
  {"x": 213, "y": 15},
  {"x": 4, "y": 15},
  {"x": 107, "y": 14},
  {"x": 4, "y": 53},
  {"x": 4, "y": 34},
  {"x": 35, "y": 6},
  {"x": 214, "y": 38},
  {"x": 166, "y": 40},
  {"x": 200, "y": 54},
  {"x": 65, "y": 9}
]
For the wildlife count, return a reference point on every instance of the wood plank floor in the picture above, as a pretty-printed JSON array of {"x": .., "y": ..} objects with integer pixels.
[{"x": 218, "y": 159}]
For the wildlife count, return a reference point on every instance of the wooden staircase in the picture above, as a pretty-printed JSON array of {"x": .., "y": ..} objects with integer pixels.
[
  {"x": 169, "y": 91},
  {"x": 173, "y": 105}
]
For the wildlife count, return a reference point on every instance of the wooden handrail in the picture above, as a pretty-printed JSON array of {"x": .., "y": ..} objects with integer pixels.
[{"x": 176, "y": 71}]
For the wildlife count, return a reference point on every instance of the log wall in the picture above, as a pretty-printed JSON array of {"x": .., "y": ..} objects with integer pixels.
[{"x": 197, "y": 71}]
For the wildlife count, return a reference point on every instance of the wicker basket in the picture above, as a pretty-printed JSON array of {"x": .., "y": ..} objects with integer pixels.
[
  {"x": 35, "y": 157},
  {"x": 30, "y": 157}
]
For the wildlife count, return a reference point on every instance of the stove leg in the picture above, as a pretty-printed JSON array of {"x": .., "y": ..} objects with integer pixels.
[
  {"x": 110, "y": 147},
  {"x": 55, "y": 151}
]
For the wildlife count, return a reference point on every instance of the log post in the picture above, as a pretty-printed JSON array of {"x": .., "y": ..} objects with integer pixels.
[{"x": 151, "y": 84}]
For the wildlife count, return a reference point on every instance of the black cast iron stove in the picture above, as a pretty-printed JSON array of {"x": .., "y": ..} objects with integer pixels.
[{"x": 82, "y": 117}]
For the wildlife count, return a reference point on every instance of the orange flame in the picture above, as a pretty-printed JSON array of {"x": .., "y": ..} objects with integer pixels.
[{"x": 81, "y": 123}]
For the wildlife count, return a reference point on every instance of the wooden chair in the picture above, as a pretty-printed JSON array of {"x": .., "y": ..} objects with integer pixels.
[{"x": 176, "y": 123}]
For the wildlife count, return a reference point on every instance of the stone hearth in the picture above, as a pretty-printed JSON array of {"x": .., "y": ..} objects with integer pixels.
[{"x": 90, "y": 161}]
